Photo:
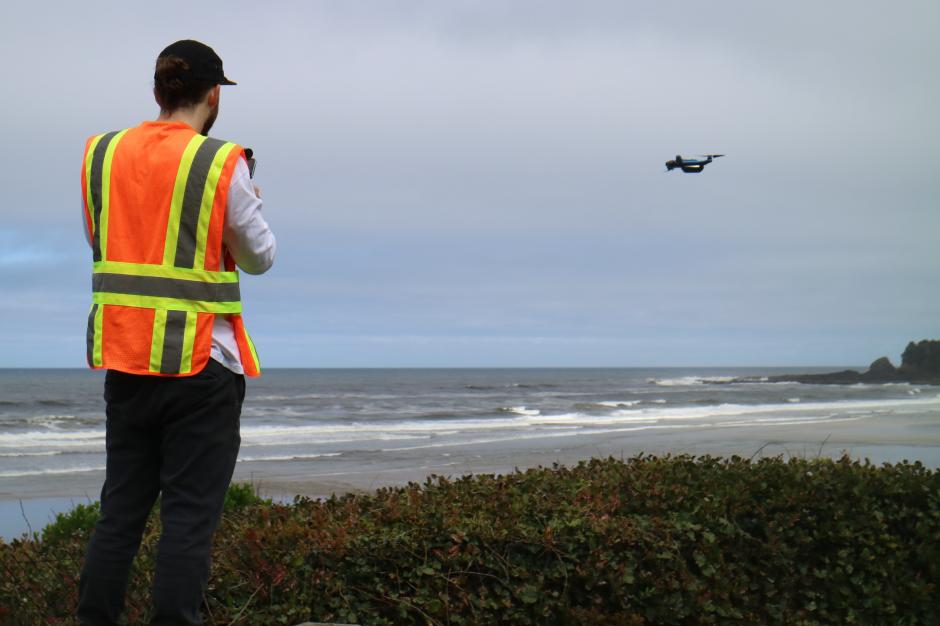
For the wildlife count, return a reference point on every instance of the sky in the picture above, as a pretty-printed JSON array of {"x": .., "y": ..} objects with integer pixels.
[{"x": 459, "y": 183}]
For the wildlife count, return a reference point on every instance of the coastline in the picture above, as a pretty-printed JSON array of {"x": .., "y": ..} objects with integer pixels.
[{"x": 881, "y": 439}]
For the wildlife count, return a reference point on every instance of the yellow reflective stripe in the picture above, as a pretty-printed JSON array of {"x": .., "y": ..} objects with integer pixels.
[
  {"x": 89, "y": 208},
  {"x": 173, "y": 304},
  {"x": 208, "y": 199},
  {"x": 105, "y": 192},
  {"x": 96, "y": 351},
  {"x": 176, "y": 204},
  {"x": 156, "y": 340},
  {"x": 90, "y": 335},
  {"x": 254, "y": 353},
  {"x": 189, "y": 342},
  {"x": 161, "y": 271}
]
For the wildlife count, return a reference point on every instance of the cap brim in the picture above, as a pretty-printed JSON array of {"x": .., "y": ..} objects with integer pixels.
[{"x": 226, "y": 81}]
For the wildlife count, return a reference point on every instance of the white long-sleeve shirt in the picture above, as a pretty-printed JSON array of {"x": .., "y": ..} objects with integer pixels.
[{"x": 248, "y": 238}]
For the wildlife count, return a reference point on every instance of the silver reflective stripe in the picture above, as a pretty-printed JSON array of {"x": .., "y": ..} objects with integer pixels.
[
  {"x": 165, "y": 287},
  {"x": 95, "y": 183},
  {"x": 90, "y": 335},
  {"x": 192, "y": 202},
  {"x": 173, "y": 342}
]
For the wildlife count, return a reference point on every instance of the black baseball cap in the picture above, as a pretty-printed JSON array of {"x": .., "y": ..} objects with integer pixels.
[{"x": 204, "y": 63}]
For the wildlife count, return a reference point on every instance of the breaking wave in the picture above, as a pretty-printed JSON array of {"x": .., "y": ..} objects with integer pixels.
[{"x": 519, "y": 410}]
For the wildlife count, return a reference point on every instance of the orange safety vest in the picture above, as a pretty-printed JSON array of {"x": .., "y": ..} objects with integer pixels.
[{"x": 155, "y": 198}]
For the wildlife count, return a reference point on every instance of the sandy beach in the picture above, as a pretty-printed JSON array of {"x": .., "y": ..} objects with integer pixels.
[
  {"x": 318, "y": 433},
  {"x": 880, "y": 439},
  {"x": 887, "y": 439}
]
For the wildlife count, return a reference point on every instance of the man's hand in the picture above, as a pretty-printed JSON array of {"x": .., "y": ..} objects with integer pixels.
[{"x": 257, "y": 190}]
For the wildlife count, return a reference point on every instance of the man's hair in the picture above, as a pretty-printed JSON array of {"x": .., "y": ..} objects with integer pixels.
[{"x": 173, "y": 89}]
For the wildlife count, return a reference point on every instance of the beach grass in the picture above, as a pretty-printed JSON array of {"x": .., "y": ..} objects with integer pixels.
[{"x": 646, "y": 540}]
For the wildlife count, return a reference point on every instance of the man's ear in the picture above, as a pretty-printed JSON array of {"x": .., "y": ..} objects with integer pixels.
[{"x": 214, "y": 94}]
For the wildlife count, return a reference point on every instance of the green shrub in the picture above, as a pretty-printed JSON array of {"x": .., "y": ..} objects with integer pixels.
[
  {"x": 241, "y": 495},
  {"x": 675, "y": 540},
  {"x": 82, "y": 518},
  {"x": 79, "y": 520}
]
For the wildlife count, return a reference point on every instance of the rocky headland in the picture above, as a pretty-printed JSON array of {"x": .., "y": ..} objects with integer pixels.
[{"x": 920, "y": 364}]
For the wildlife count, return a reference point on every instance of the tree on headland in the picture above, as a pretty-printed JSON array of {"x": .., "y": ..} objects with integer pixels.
[{"x": 922, "y": 357}]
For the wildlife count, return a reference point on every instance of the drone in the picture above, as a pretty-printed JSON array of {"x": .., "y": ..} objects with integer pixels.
[{"x": 691, "y": 164}]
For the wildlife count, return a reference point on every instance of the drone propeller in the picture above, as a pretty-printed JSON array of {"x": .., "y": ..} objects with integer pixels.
[{"x": 714, "y": 156}]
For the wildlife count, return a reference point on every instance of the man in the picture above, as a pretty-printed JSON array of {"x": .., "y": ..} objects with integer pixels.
[{"x": 169, "y": 213}]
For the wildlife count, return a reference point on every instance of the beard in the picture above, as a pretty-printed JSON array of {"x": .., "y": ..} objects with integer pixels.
[{"x": 209, "y": 122}]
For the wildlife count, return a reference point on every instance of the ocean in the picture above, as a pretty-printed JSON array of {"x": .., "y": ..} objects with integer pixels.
[{"x": 320, "y": 430}]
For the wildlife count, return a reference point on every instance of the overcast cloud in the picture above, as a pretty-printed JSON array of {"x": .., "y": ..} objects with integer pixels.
[{"x": 481, "y": 183}]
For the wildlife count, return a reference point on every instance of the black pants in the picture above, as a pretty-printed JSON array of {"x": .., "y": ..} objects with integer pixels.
[{"x": 177, "y": 437}]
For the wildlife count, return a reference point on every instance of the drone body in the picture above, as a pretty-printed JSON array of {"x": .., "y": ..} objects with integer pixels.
[{"x": 691, "y": 164}]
